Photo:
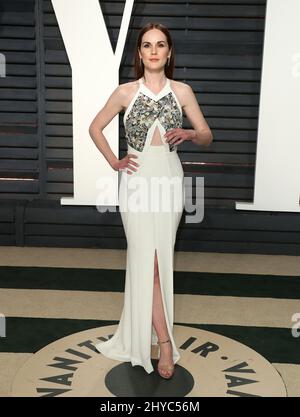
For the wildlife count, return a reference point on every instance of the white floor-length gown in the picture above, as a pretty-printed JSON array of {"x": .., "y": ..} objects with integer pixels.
[{"x": 150, "y": 229}]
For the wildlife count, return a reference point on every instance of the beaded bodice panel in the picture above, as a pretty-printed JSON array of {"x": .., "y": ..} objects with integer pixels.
[{"x": 144, "y": 110}]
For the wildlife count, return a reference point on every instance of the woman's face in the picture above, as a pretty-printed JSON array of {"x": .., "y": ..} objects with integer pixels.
[{"x": 154, "y": 45}]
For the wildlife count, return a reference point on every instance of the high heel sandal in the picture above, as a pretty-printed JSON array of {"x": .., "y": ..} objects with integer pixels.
[{"x": 168, "y": 368}]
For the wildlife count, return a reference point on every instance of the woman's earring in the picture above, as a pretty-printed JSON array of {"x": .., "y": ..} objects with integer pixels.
[
  {"x": 168, "y": 61},
  {"x": 140, "y": 61}
]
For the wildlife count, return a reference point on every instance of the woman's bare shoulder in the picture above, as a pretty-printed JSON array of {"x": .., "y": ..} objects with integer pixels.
[
  {"x": 127, "y": 91},
  {"x": 181, "y": 90},
  {"x": 129, "y": 86},
  {"x": 181, "y": 86}
]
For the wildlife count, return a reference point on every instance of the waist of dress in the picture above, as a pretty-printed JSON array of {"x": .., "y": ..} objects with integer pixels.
[{"x": 155, "y": 150}]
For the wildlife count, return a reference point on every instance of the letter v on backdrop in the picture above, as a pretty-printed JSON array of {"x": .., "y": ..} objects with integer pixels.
[{"x": 95, "y": 74}]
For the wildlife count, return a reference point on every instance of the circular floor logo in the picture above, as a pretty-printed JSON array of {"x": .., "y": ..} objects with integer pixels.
[{"x": 211, "y": 365}]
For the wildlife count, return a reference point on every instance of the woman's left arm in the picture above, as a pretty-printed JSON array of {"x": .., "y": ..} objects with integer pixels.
[{"x": 201, "y": 134}]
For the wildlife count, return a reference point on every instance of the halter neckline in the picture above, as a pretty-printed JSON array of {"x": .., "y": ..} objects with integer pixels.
[{"x": 167, "y": 83}]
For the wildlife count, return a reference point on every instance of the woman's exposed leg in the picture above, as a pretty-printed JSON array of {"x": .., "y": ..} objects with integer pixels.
[{"x": 159, "y": 321}]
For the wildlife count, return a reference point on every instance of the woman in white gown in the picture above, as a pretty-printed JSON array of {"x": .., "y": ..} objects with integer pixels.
[{"x": 151, "y": 196}]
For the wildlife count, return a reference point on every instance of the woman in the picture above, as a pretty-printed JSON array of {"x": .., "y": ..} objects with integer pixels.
[{"x": 153, "y": 125}]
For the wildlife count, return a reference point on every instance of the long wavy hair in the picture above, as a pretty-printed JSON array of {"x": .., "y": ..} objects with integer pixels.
[{"x": 138, "y": 65}]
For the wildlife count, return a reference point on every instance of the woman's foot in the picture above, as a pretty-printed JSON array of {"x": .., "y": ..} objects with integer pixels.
[{"x": 165, "y": 366}]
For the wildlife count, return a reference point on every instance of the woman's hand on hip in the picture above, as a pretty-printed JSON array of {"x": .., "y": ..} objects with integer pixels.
[
  {"x": 177, "y": 136},
  {"x": 127, "y": 163}
]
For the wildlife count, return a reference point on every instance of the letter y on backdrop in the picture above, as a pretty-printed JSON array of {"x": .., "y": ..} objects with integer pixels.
[{"x": 95, "y": 75}]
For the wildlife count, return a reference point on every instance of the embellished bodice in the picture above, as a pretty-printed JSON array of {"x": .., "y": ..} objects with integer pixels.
[{"x": 147, "y": 108}]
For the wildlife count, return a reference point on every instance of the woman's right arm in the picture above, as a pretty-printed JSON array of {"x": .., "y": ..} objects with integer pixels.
[{"x": 111, "y": 108}]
